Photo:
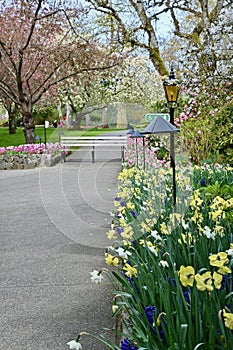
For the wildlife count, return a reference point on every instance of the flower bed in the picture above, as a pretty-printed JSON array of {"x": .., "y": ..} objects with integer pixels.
[
  {"x": 30, "y": 156},
  {"x": 172, "y": 276}
]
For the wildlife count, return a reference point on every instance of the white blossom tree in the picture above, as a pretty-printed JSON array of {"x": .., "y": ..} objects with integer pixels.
[
  {"x": 199, "y": 38},
  {"x": 134, "y": 81}
]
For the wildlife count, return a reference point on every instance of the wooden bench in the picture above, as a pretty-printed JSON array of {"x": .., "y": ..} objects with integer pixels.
[{"x": 97, "y": 141}]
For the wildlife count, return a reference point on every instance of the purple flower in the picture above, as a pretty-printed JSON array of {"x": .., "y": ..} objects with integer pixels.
[
  {"x": 150, "y": 311},
  {"x": 119, "y": 230},
  {"x": 125, "y": 345},
  {"x": 133, "y": 213},
  {"x": 203, "y": 182}
]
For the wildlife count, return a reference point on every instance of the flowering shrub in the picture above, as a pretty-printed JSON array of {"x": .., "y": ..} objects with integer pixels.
[
  {"x": 205, "y": 123},
  {"x": 50, "y": 148}
]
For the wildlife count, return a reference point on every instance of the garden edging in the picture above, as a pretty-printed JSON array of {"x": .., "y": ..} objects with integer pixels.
[{"x": 29, "y": 161}]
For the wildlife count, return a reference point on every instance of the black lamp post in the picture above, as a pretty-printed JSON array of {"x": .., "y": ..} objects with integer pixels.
[{"x": 171, "y": 89}]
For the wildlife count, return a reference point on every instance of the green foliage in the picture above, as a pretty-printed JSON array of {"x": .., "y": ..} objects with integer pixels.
[
  {"x": 206, "y": 125},
  {"x": 49, "y": 113},
  {"x": 162, "y": 311},
  {"x": 222, "y": 131}
]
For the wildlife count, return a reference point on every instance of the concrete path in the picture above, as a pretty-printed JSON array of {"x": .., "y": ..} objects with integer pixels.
[{"x": 52, "y": 235}]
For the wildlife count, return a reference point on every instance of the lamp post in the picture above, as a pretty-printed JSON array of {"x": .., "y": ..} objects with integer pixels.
[{"x": 171, "y": 89}]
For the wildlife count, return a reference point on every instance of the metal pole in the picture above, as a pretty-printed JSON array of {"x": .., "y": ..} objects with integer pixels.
[
  {"x": 123, "y": 153},
  {"x": 45, "y": 135},
  {"x": 93, "y": 154},
  {"x": 144, "y": 156},
  {"x": 172, "y": 156}
]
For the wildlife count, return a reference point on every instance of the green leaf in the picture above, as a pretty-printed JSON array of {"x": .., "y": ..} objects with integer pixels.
[{"x": 183, "y": 333}]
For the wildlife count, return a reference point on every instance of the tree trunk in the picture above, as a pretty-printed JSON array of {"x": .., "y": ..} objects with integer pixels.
[
  {"x": 121, "y": 116},
  {"x": 29, "y": 127},
  {"x": 105, "y": 118},
  {"x": 12, "y": 123},
  {"x": 78, "y": 118}
]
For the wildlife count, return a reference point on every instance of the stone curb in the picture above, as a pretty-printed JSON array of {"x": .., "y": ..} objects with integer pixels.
[{"x": 29, "y": 161}]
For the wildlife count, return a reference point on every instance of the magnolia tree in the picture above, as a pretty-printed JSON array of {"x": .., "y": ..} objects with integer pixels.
[
  {"x": 203, "y": 37},
  {"x": 197, "y": 33},
  {"x": 41, "y": 45}
]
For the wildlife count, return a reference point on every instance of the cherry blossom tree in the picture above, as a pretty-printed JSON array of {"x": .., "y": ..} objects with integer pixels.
[{"x": 41, "y": 45}]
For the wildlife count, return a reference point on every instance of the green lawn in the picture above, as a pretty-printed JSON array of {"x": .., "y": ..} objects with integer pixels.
[{"x": 52, "y": 135}]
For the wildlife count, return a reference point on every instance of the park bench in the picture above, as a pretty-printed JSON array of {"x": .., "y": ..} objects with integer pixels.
[{"x": 94, "y": 142}]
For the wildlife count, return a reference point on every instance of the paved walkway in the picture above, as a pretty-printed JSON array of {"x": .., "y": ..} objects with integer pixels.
[{"x": 52, "y": 235}]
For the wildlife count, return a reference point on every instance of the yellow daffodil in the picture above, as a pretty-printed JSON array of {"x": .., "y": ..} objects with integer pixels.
[
  {"x": 111, "y": 234},
  {"x": 218, "y": 259},
  {"x": 204, "y": 282},
  {"x": 196, "y": 201},
  {"x": 186, "y": 275},
  {"x": 130, "y": 270},
  {"x": 175, "y": 218},
  {"x": 122, "y": 221},
  {"x": 187, "y": 239},
  {"x": 158, "y": 321},
  {"x": 217, "y": 280},
  {"x": 127, "y": 233},
  {"x": 197, "y": 217},
  {"x": 229, "y": 203},
  {"x": 163, "y": 228},
  {"x": 111, "y": 260},
  {"x": 219, "y": 230},
  {"x": 216, "y": 215},
  {"x": 224, "y": 270},
  {"x": 228, "y": 319},
  {"x": 145, "y": 227},
  {"x": 218, "y": 203},
  {"x": 130, "y": 206}
]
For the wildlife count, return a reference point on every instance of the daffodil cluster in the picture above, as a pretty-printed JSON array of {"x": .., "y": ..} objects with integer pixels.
[{"x": 171, "y": 268}]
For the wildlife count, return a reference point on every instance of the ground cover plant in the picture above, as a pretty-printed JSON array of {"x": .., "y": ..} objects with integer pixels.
[{"x": 172, "y": 267}]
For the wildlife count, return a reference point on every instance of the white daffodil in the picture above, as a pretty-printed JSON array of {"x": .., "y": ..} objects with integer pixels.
[
  {"x": 73, "y": 344},
  {"x": 123, "y": 253},
  {"x": 163, "y": 263},
  {"x": 96, "y": 276},
  {"x": 229, "y": 252},
  {"x": 185, "y": 226},
  {"x": 156, "y": 236},
  {"x": 207, "y": 232},
  {"x": 153, "y": 250}
]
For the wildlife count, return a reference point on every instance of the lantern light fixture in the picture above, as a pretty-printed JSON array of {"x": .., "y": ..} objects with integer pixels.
[{"x": 171, "y": 87}]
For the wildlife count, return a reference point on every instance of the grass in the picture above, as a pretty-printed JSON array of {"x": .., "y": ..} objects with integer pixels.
[{"x": 52, "y": 135}]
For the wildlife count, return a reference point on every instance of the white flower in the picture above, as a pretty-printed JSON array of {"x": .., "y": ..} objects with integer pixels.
[
  {"x": 156, "y": 236},
  {"x": 153, "y": 250},
  {"x": 123, "y": 253},
  {"x": 229, "y": 252},
  {"x": 207, "y": 232},
  {"x": 74, "y": 345},
  {"x": 115, "y": 308},
  {"x": 185, "y": 226},
  {"x": 163, "y": 263},
  {"x": 96, "y": 277}
]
